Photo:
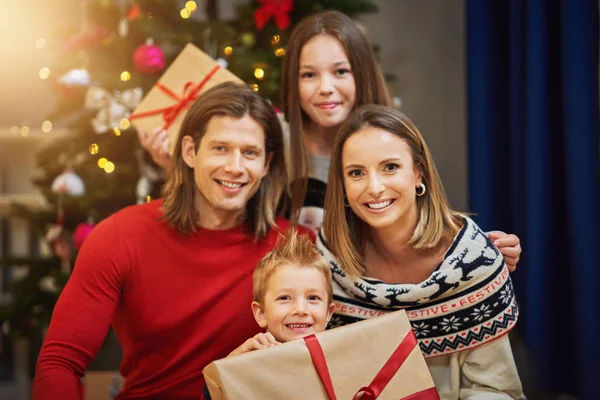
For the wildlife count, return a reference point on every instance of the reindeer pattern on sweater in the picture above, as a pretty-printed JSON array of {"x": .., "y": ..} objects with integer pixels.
[{"x": 467, "y": 300}]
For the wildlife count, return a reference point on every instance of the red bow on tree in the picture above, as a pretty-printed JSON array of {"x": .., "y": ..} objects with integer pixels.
[{"x": 277, "y": 9}]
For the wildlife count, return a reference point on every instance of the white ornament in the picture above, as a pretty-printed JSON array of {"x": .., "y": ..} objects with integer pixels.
[
  {"x": 222, "y": 63},
  {"x": 48, "y": 284},
  {"x": 54, "y": 232},
  {"x": 112, "y": 108},
  {"x": 76, "y": 77},
  {"x": 123, "y": 27},
  {"x": 143, "y": 188},
  {"x": 68, "y": 183}
]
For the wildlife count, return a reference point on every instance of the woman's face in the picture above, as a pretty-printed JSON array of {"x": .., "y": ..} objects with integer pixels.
[
  {"x": 380, "y": 178},
  {"x": 326, "y": 82}
]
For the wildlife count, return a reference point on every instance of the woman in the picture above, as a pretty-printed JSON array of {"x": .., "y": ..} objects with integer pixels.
[
  {"x": 329, "y": 70},
  {"x": 394, "y": 243}
]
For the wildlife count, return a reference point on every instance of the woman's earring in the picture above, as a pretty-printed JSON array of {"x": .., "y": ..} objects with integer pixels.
[{"x": 423, "y": 189}]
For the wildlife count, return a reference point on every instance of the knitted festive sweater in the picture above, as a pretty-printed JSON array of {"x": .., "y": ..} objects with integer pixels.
[
  {"x": 460, "y": 315},
  {"x": 176, "y": 303}
]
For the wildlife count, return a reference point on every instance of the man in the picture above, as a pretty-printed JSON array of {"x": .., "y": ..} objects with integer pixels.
[{"x": 174, "y": 277}]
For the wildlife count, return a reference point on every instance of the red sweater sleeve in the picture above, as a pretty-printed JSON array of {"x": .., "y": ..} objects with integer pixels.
[{"x": 82, "y": 315}]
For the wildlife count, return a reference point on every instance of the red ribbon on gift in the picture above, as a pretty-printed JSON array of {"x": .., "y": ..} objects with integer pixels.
[
  {"x": 189, "y": 94},
  {"x": 277, "y": 9},
  {"x": 384, "y": 376}
]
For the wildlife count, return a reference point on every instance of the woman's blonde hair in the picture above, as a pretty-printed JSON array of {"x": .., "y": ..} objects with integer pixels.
[
  {"x": 232, "y": 100},
  {"x": 295, "y": 249},
  {"x": 345, "y": 232},
  {"x": 369, "y": 81}
]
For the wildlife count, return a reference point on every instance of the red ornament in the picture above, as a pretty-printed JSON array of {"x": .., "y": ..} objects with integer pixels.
[
  {"x": 277, "y": 9},
  {"x": 134, "y": 12},
  {"x": 82, "y": 231},
  {"x": 148, "y": 59},
  {"x": 86, "y": 38}
]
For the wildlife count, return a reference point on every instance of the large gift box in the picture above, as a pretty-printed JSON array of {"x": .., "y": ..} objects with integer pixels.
[
  {"x": 191, "y": 74},
  {"x": 377, "y": 358}
]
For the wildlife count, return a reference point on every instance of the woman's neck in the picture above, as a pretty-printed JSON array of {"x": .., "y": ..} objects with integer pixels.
[
  {"x": 391, "y": 258},
  {"x": 392, "y": 245},
  {"x": 319, "y": 140}
]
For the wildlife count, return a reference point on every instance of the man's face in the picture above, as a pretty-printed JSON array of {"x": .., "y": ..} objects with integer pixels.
[{"x": 228, "y": 166}]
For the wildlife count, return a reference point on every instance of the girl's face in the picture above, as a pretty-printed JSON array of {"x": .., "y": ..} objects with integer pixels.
[{"x": 326, "y": 82}]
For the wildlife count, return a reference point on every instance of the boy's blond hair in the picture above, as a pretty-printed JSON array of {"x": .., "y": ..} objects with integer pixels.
[{"x": 295, "y": 249}]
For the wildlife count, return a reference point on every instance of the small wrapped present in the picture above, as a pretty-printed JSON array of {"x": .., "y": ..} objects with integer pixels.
[
  {"x": 378, "y": 358},
  {"x": 191, "y": 74}
]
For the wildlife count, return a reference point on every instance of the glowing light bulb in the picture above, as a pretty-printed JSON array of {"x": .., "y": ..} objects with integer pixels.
[
  {"x": 191, "y": 6},
  {"x": 109, "y": 167},
  {"x": 46, "y": 126},
  {"x": 44, "y": 73}
]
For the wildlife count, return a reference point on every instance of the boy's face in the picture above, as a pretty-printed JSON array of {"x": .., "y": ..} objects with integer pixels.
[{"x": 295, "y": 303}]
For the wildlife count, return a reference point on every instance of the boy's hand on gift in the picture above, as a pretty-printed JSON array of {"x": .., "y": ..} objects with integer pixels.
[
  {"x": 259, "y": 341},
  {"x": 157, "y": 144},
  {"x": 509, "y": 246}
]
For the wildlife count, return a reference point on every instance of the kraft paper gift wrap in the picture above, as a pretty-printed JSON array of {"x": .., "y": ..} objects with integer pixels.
[
  {"x": 192, "y": 73},
  {"x": 355, "y": 354}
]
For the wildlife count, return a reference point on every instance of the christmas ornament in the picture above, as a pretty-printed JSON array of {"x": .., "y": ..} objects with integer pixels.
[
  {"x": 222, "y": 62},
  {"x": 148, "y": 176},
  {"x": 73, "y": 83},
  {"x": 112, "y": 108},
  {"x": 86, "y": 38},
  {"x": 75, "y": 77},
  {"x": 149, "y": 59},
  {"x": 59, "y": 245},
  {"x": 123, "y": 27},
  {"x": 48, "y": 284},
  {"x": 82, "y": 231},
  {"x": 279, "y": 10},
  {"x": 248, "y": 39},
  {"x": 134, "y": 12},
  {"x": 68, "y": 183}
]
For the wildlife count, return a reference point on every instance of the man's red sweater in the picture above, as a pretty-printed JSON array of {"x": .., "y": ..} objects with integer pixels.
[{"x": 176, "y": 303}]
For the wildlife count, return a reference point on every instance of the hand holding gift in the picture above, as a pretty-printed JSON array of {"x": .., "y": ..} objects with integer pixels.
[{"x": 376, "y": 358}]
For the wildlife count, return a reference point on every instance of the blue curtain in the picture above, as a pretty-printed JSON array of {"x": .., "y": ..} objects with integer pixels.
[{"x": 534, "y": 162}]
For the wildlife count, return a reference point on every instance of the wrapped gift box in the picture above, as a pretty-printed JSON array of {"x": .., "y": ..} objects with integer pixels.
[
  {"x": 384, "y": 347},
  {"x": 192, "y": 73}
]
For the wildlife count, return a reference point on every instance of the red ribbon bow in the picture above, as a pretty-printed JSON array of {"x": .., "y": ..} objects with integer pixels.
[
  {"x": 277, "y": 9},
  {"x": 384, "y": 376},
  {"x": 189, "y": 94}
]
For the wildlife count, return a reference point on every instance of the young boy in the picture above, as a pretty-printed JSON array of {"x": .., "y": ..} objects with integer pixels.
[{"x": 293, "y": 296}]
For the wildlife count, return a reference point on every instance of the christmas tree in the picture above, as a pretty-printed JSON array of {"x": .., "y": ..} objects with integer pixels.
[{"x": 106, "y": 60}]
